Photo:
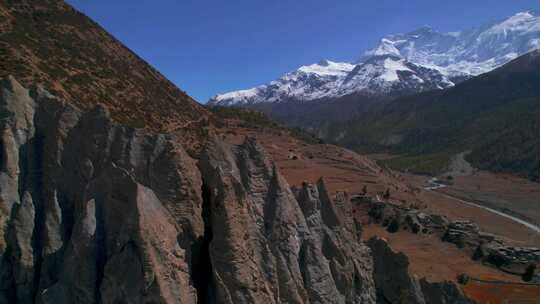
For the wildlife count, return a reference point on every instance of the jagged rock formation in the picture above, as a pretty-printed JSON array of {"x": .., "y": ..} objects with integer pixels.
[
  {"x": 393, "y": 282},
  {"x": 95, "y": 212},
  {"x": 395, "y": 285},
  {"x": 270, "y": 247},
  {"x": 92, "y": 211}
]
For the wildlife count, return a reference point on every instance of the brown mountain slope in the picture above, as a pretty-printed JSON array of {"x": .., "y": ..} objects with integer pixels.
[{"x": 49, "y": 42}]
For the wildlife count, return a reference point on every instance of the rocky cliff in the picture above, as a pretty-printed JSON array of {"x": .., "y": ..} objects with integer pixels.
[{"x": 92, "y": 211}]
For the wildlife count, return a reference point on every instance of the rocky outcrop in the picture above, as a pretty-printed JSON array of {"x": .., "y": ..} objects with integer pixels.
[
  {"x": 514, "y": 260},
  {"x": 95, "y": 212},
  {"x": 442, "y": 293},
  {"x": 392, "y": 279},
  {"x": 494, "y": 251},
  {"x": 462, "y": 233},
  {"x": 397, "y": 218},
  {"x": 395, "y": 284},
  {"x": 485, "y": 247}
]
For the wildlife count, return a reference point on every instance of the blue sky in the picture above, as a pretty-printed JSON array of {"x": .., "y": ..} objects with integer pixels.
[{"x": 215, "y": 46}]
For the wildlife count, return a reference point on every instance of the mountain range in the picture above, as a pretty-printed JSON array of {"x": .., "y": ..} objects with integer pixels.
[
  {"x": 424, "y": 95},
  {"x": 421, "y": 60}
]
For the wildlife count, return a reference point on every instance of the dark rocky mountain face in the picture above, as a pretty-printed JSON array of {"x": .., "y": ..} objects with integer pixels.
[
  {"x": 495, "y": 115},
  {"x": 315, "y": 116}
]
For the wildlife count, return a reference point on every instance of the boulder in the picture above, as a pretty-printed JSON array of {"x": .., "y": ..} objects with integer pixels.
[
  {"x": 514, "y": 260},
  {"x": 397, "y": 218}
]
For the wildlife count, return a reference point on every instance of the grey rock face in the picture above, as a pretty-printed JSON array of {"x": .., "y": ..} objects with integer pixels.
[
  {"x": 91, "y": 212},
  {"x": 96, "y": 212},
  {"x": 442, "y": 293},
  {"x": 269, "y": 246},
  {"x": 391, "y": 274},
  {"x": 395, "y": 285}
]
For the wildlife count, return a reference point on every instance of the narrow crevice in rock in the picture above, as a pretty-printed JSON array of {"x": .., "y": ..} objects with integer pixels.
[
  {"x": 202, "y": 262},
  {"x": 31, "y": 180}
]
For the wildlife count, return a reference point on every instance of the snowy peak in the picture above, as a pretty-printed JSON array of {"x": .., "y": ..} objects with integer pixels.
[
  {"x": 386, "y": 47},
  {"x": 379, "y": 76},
  {"x": 391, "y": 75},
  {"x": 236, "y": 97},
  {"x": 522, "y": 23},
  {"x": 309, "y": 82},
  {"x": 391, "y": 67},
  {"x": 327, "y": 68},
  {"x": 470, "y": 52}
]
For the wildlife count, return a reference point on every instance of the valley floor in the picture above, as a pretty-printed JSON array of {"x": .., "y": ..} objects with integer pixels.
[
  {"x": 438, "y": 261},
  {"x": 435, "y": 260},
  {"x": 511, "y": 195}
]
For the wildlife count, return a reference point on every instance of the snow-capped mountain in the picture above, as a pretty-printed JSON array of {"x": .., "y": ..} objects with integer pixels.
[
  {"x": 380, "y": 75},
  {"x": 307, "y": 83},
  {"x": 420, "y": 60},
  {"x": 473, "y": 52},
  {"x": 390, "y": 74}
]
